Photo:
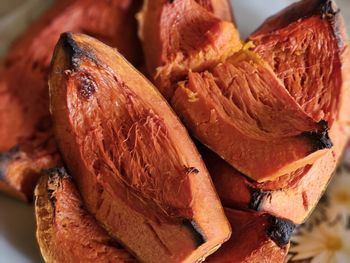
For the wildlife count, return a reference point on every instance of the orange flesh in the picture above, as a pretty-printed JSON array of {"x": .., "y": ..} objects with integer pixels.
[
  {"x": 181, "y": 35},
  {"x": 308, "y": 62},
  {"x": 134, "y": 150},
  {"x": 66, "y": 232},
  {"x": 24, "y": 114},
  {"x": 250, "y": 242},
  {"x": 121, "y": 141},
  {"x": 243, "y": 112}
]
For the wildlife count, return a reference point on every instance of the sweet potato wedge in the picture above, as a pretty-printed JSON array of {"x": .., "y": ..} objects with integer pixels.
[
  {"x": 307, "y": 61},
  {"x": 66, "y": 232},
  {"x": 293, "y": 196},
  {"x": 181, "y": 35},
  {"x": 242, "y": 111},
  {"x": 24, "y": 114},
  {"x": 256, "y": 238},
  {"x": 131, "y": 157}
]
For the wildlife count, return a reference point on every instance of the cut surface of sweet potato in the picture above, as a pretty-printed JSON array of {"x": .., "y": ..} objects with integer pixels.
[
  {"x": 24, "y": 114},
  {"x": 241, "y": 110},
  {"x": 256, "y": 238},
  {"x": 182, "y": 35},
  {"x": 131, "y": 157},
  {"x": 66, "y": 232},
  {"x": 304, "y": 44},
  {"x": 292, "y": 196}
]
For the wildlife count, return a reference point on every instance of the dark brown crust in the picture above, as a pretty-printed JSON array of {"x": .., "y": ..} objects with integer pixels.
[{"x": 280, "y": 231}]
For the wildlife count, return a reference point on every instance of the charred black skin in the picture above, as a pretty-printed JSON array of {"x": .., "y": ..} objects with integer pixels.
[
  {"x": 258, "y": 196},
  {"x": 320, "y": 139},
  {"x": 280, "y": 230},
  {"x": 6, "y": 158},
  {"x": 60, "y": 171},
  {"x": 198, "y": 237},
  {"x": 73, "y": 50}
]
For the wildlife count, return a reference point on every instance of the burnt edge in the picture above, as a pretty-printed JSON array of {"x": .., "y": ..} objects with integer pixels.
[
  {"x": 258, "y": 196},
  {"x": 75, "y": 52},
  {"x": 320, "y": 139},
  {"x": 6, "y": 158},
  {"x": 56, "y": 171},
  {"x": 197, "y": 234},
  {"x": 280, "y": 230}
]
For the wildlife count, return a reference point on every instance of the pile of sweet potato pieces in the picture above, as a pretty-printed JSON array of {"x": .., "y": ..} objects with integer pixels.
[{"x": 263, "y": 126}]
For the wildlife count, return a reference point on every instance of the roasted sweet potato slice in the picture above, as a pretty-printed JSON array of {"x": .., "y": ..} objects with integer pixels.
[
  {"x": 307, "y": 61},
  {"x": 292, "y": 196},
  {"x": 256, "y": 238},
  {"x": 241, "y": 110},
  {"x": 24, "y": 114},
  {"x": 131, "y": 157},
  {"x": 66, "y": 232},
  {"x": 181, "y": 35}
]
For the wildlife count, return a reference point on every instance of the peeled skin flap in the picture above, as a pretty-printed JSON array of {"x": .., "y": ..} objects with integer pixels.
[
  {"x": 178, "y": 36},
  {"x": 24, "y": 100},
  {"x": 242, "y": 111},
  {"x": 293, "y": 196},
  {"x": 256, "y": 238},
  {"x": 304, "y": 45},
  {"x": 131, "y": 157},
  {"x": 66, "y": 232}
]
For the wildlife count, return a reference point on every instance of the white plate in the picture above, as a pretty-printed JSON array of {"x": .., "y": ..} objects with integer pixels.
[{"x": 17, "y": 223}]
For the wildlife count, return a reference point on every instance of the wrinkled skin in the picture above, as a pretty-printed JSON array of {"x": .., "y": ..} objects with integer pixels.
[
  {"x": 66, "y": 232},
  {"x": 24, "y": 116},
  {"x": 120, "y": 140},
  {"x": 250, "y": 241},
  {"x": 178, "y": 36},
  {"x": 243, "y": 112}
]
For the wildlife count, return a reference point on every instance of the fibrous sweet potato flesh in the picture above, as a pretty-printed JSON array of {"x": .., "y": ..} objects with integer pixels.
[
  {"x": 66, "y": 232},
  {"x": 241, "y": 110},
  {"x": 131, "y": 157},
  {"x": 24, "y": 114},
  {"x": 256, "y": 238},
  {"x": 304, "y": 44},
  {"x": 182, "y": 35}
]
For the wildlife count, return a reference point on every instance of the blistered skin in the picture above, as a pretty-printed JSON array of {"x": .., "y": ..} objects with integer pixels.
[
  {"x": 306, "y": 55},
  {"x": 24, "y": 114},
  {"x": 254, "y": 239},
  {"x": 131, "y": 157},
  {"x": 243, "y": 112},
  {"x": 178, "y": 36},
  {"x": 66, "y": 232}
]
